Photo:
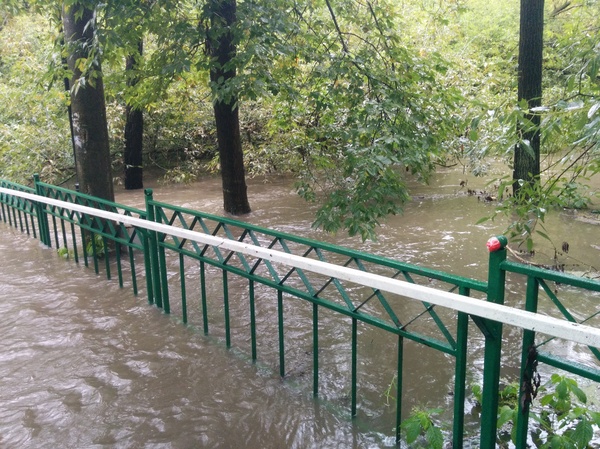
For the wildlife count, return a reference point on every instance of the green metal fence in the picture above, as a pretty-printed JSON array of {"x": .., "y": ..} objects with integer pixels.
[{"x": 440, "y": 329}]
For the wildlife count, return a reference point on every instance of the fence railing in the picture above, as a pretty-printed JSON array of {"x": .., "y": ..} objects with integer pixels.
[{"x": 326, "y": 276}]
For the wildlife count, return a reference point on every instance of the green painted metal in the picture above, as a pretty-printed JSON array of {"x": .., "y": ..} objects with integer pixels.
[
  {"x": 493, "y": 352},
  {"x": 203, "y": 296},
  {"x": 315, "y": 324},
  {"x": 399, "y": 385},
  {"x": 154, "y": 288},
  {"x": 252, "y": 305},
  {"x": 184, "y": 316},
  {"x": 527, "y": 367},
  {"x": 364, "y": 307},
  {"x": 354, "y": 363},
  {"x": 226, "y": 310},
  {"x": 281, "y": 333}
]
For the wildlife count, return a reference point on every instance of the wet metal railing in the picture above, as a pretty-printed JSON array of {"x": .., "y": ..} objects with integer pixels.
[{"x": 324, "y": 275}]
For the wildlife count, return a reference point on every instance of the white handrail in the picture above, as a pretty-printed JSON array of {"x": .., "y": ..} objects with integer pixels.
[{"x": 579, "y": 333}]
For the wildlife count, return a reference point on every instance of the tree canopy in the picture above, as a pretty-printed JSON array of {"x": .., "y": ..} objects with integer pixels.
[{"x": 353, "y": 97}]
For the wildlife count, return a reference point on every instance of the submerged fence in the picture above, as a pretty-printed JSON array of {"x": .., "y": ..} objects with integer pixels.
[{"x": 366, "y": 289}]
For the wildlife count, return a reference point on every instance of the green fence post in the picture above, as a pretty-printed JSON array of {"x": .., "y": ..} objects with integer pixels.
[
  {"x": 528, "y": 362},
  {"x": 153, "y": 253},
  {"x": 41, "y": 213},
  {"x": 460, "y": 379},
  {"x": 493, "y": 345}
]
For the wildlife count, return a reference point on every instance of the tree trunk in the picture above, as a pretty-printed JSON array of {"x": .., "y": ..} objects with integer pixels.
[
  {"x": 531, "y": 40},
  {"x": 134, "y": 134},
  {"x": 222, "y": 48},
  {"x": 88, "y": 107}
]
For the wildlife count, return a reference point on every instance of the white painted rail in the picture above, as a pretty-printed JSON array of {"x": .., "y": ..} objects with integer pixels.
[{"x": 579, "y": 333}]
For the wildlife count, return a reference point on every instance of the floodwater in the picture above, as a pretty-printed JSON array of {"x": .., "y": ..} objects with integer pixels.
[{"x": 85, "y": 364}]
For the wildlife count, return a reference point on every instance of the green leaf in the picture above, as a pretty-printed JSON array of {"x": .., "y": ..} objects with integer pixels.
[
  {"x": 412, "y": 427},
  {"x": 505, "y": 416},
  {"x": 583, "y": 433},
  {"x": 434, "y": 437},
  {"x": 562, "y": 390},
  {"x": 579, "y": 393},
  {"x": 544, "y": 235}
]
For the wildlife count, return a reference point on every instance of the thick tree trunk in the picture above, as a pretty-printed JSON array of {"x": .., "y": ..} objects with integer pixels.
[
  {"x": 235, "y": 195},
  {"x": 134, "y": 135},
  {"x": 531, "y": 40},
  {"x": 88, "y": 107}
]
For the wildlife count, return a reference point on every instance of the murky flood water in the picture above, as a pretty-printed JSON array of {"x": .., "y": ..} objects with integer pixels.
[{"x": 85, "y": 364}]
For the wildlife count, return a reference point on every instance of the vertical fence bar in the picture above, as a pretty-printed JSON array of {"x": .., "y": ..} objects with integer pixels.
[
  {"x": 26, "y": 223},
  {"x": 148, "y": 268},
  {"x": 106, "y": 257},
  {"x": 226, "y": 309},
  {"x": 184, "y": 316},
  {"x": 528, "y": 358},
  {"x": 354, "y": 364},
  {"x": 20, "y": 220},
  {"x": 203, "y": 297},
  {"x": 41, "y": 214},
  {"x": 64, "y": 232},
  {"x": 84, "y": 246},
  {"x": 460, "y": 375},
  {"x": 153, "y": 251},
  {"x": 14, "y": 219},
  {"x": 119, "y": 267},
  {"x": 10, "y": 211},
  {"x": 399, "y": 386},
  {"x": 94, "y": 252},
  {"x": 164, "y": 279},
  {"x": 493, "y": 346},
  {"x": 281, "y": 333},
  {"x": 252, "y": 319},
  {"x": 33, "y": 224},
  {"x": 133, "y": 270},
  {"x": 55, "y": 231},
  {"x": 315, "y": 350},
  {"x": 460, "y": 379},
  {"x": 74, "y": 238}
]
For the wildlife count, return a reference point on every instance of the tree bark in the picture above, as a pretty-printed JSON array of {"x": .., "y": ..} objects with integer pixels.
[
  {"x": 134, "y": 134},
  {"x": 531, "y": 41},
  {"x": 88, "y": 107},
  {"x": 222, "y": 48}
]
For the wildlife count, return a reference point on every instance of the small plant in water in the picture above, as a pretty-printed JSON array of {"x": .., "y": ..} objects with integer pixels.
[
  {"x": 96, "y": 242},
  {"x": 565, "y": 420},
  {"x": 420, "y": 425},
  {"x": 64, "y": 252},
  {"x": 561, "y": 419}
]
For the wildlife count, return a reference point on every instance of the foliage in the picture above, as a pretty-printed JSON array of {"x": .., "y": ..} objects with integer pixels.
[
  {"x": 565, "y": 419},
  {"x": 421, "y": 424},
  {"x": 34, "y": 134},
  {"x": 365, "y": 110},
  {"x": 95, "y": 245},
  {"x": 65, "y": 253},
  {"x": 561, "y": 419},
  {"x": 351, "y": 98}
]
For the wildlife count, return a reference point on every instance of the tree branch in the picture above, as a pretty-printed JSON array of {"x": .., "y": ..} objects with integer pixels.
[{"x": 337, "y": 27}]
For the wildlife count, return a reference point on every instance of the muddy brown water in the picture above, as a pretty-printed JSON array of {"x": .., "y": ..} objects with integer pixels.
[{"x": 85, "y": 364}]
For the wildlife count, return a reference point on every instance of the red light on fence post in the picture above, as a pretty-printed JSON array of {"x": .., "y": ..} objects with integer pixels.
[{"x": 496, "y": 243}]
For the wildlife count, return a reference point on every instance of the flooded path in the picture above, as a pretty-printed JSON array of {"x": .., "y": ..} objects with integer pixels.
[{"x": 85, "y": 364}]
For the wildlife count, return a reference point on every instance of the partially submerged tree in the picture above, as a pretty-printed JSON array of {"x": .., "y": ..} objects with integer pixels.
[
  {"x": 531, "y": 43},
  {"x": 134, "y": 130},
  {"x": 88, "y": 107},
  {"x": 222, "y": 50}
]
